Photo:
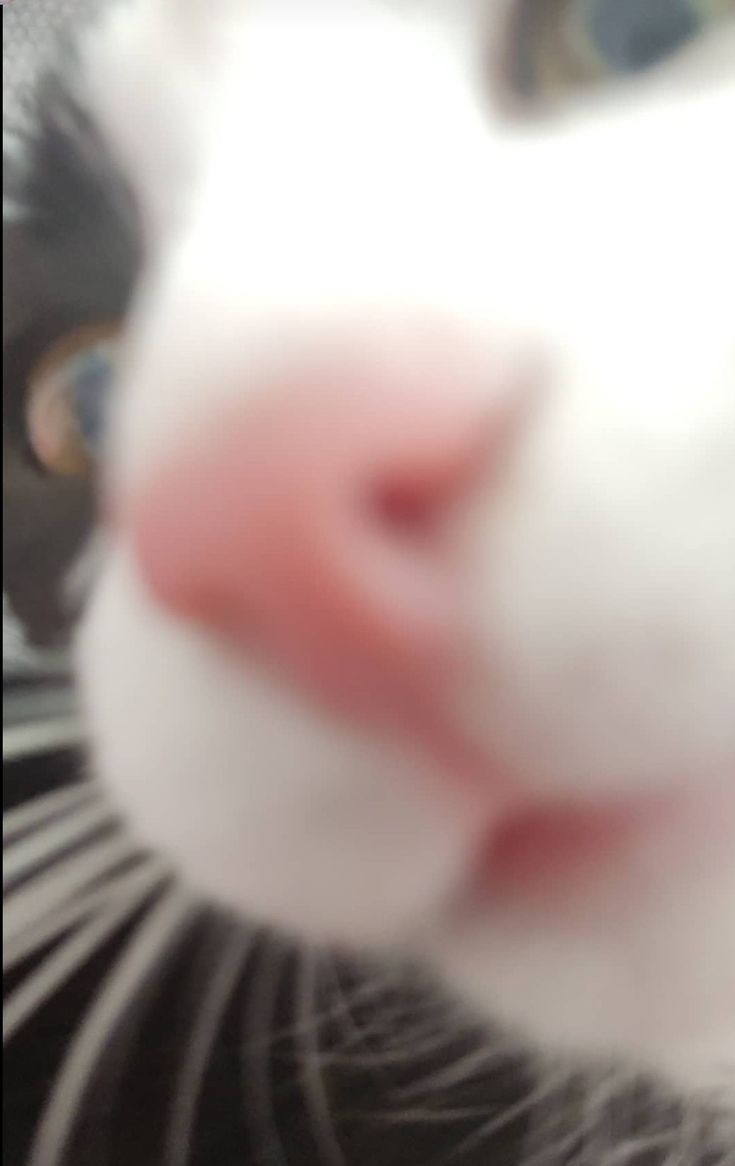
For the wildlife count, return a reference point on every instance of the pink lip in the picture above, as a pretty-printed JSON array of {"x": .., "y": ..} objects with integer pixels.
[{"x": 547, "y": 850}]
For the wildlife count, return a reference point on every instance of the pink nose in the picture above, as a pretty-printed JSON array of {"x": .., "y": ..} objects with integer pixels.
[{"x": 313, "y": 529}]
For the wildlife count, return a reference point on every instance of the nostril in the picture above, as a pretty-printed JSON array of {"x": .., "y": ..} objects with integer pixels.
[
  {"x": 416, "y": 501},
  {"x": 403, "y": 511}
]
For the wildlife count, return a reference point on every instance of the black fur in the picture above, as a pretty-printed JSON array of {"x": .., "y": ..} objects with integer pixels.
[{"x": 72, "y": 251}]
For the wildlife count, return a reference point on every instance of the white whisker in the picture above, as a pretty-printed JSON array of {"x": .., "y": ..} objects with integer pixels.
[
  {"x": 343, "y": 1012},
  {"x": 401, "y": 1034},
  {"x": 41, "y": 846},
  {"x": 358, "y": 1035},
  {"x": 25, "y": 943},
  {"x": 362, "y": 993},
  {"x": 43, "y": 809},
  {"x": 257, "y": 1027},
  {"x": 574, "y": 1122},
  {"x": 634, "y": 1149},
  {"x": 54, "y": 887},
  {"x": 603, "y": 1105},
  {"x": 399, "y": 1038},
  {"x": 407, "y": 1050},
  {"x": 460, "y": 1070},
  {"x": 73, "y": 954},
  {"x": 500, "y": 1121},
  {"x": 211, "y": 1007},
  {"x": 427, "y": 1115},
  {"x": 121, "y": 989},
  {"x": 312, "y": 1076}
]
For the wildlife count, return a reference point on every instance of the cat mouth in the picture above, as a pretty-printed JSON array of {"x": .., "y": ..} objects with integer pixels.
[
  {"x": 535, "y": 848},
  {"x": 567, "y": 855},
  {"x": 546, "y": 847},
  {"x": 558, "y": 854}
]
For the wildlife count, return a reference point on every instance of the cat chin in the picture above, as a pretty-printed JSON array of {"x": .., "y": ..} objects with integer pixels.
[{"x": 640, "y": 976}]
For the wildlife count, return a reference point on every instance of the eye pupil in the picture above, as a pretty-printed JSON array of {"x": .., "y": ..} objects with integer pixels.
[
  {"x": 632, "y": 35},
  {"x": 91, "y": 377}
]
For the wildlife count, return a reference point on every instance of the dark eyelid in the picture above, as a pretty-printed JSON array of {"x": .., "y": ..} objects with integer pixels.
[
  {"x": 72, "y": 242},
  {"x": 77, "y": 215}
]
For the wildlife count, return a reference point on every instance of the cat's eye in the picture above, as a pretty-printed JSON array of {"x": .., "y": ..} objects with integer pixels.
[
  {"x": 68, "y": 397},
  {"x": 558, "y": 46}
]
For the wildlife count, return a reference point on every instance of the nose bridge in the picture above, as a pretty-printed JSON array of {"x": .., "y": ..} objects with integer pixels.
[
  {"x": 334, "y": 198},
  {"x": 332, "y": 174}
]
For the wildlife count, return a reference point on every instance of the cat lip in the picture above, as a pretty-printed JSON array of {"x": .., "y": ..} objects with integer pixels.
[
  {"x": 531, "y": 847},
  {"x": 539, "y": 852}
]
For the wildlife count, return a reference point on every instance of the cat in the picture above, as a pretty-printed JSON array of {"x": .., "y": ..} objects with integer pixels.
[{"x": 413, "y": 630}]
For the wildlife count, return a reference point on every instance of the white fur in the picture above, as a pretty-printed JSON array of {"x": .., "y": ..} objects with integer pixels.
[{"x": 331, "y": 167}]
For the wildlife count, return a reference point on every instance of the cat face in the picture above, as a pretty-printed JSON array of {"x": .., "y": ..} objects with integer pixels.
[{"x": 416, "y": 625}]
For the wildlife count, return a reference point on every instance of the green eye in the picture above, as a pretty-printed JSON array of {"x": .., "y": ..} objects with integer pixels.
[{"x": 558, "y": 45}]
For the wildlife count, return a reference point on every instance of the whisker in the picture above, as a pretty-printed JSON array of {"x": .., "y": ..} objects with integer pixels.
[
  {"x": 343, "y": 1013},
  {"x": 56, "y": 733},
  {"x": 34, "y": 900},
  {"x": 363, "y": 993},
  {"x": 60, "y": 835},
  {"x": 426, "y": 1115},
  {"x": 634, "y": 1148},
  {"x": 312, "y": 1076},
  {"x": 603, "y": 1099},
  {"x": 403, "y": 1002},
  {"x": 25, "y": 943},
  {"x": 73, "y": 954},
  {"x": 501, "y": 1121},
  {"x": 256, "y": 1053},
  {"x": 549, "y": 1120},
  {"x": 571, "y": 1122},
  {"x": 43, "y": 809},
  {"x": 412, "y": 1050},
  {"x": 692, "y": 1134},
  {"x": 123, "y": 988},
  {"x": 459, "y": 1071},
  {"x": 357, "y": 1034},
  {"x": 214, "y": 1000},
  {"x": 406, "y": 1049}
]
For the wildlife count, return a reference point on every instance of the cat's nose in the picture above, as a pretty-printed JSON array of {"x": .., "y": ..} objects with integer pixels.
[{"x": 316, "y": 530}]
